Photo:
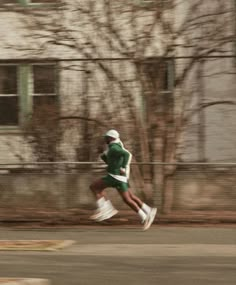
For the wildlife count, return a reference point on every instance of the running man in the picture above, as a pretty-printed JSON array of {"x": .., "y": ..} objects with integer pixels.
[{"x": 118, "y": 161}]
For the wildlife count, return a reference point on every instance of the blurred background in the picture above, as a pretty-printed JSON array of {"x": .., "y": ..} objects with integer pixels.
[{"x": 161, "y": 72}]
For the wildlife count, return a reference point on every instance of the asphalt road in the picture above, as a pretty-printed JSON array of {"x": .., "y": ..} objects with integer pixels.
[{"x": 106, "y": 255}]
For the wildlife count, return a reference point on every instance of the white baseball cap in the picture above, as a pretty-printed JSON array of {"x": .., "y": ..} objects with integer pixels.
[{"x": 113, "y": 134}]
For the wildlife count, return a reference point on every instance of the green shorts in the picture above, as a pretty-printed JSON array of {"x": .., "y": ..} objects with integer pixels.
[{"x": 114, "y": 183}]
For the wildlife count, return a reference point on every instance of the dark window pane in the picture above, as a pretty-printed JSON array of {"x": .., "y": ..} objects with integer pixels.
[
  {"x": 8, "y": 79},
  {"x": 45, "y": 104},
  {"x": 159, "y": 73},
  {"x": 166, "y": 78},
  {"x": 44, "y": 1},
  {"x": 44, "y": 79},
  {"x": 9, "y": 111}
]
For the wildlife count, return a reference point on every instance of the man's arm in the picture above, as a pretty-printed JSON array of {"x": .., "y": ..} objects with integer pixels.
[
  {"x": 104, "y": 156},
  {"x": 126, "y": 157}
]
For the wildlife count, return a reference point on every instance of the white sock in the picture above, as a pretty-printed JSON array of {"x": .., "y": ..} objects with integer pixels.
[
  {"x": 109, "y": 205},
  {"x": 146, "y": 208},
  {"x": 142, "y": 215},
  {"x": 101, "y": 202}
]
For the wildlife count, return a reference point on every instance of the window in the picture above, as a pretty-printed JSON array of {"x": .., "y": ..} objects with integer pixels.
[
  {"x": 158, "y": 77},
  {"x": 161, "y": 71},
  {"x": 8, "y": 95},
  {"x": 44, "y": 86},
  {"x": 24, "y": 89}
]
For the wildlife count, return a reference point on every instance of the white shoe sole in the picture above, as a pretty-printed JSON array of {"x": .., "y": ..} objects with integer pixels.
[
  {"x": 150, "y": 219},
  {"x": 107, "y": 215},
  {"x": 96, "y": 216}
]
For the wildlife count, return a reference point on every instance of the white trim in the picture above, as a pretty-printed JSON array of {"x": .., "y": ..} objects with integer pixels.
[
  {"x": 43, "y": 94},
  {"x": 5, "y": 64},
  {"x": 129, "y": 161},
  {"x": 28, "y": 2},
  {"x": 119, "y": 177},
  {"x": 42, "y": 63},
  {"x": 8, "y": 95}
]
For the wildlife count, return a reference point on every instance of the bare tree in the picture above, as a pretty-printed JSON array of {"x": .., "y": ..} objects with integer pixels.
[
  {"x": 43, "y": 133},
  {"x": 130, "y": 42}
]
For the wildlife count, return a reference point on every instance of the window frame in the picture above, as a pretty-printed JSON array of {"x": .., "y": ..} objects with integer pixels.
[
  {"x": 32, "y": 78},
  {"x": 25, "y": 90},
  {"x": 169, "y": 70},
  {"x": 37, "y": 95},
  {"x": 152, "y": 4},
  {"x": 39, "y": 4},
  {"x": 12, "y": 95},
  {"x": 169, "y": 65},
  {"x": 27, "y": 3}
]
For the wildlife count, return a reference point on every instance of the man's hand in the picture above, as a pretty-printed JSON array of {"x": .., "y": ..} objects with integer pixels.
[
  {"x": 101, "y": 148},
  {"x": 122, "y": 171}
]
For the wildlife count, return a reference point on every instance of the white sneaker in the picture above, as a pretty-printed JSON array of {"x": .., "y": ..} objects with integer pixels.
[
  {"x": 104, "y": 214},
  {"x": 107, "y": 214},
  {"x": 97, "y": 214},
  {"x": 150, "y": 218}
]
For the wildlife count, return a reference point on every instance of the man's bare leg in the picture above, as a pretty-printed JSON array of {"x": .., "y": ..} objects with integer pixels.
[
  {"x": 97, "y": 188},
  {"x": 150, "y": 212},
  {"x": 105, "y": 209},
  {"x": 142, "y": 205},
  {"x": 127, "y": 198}
]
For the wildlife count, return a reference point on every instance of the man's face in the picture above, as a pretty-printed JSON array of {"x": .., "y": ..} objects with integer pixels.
[{"x": 108, "y": 139}]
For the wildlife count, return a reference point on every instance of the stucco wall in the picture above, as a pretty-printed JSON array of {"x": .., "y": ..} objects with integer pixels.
[
  {"x": 195, "y": 190},
  {"x": 205, "y": 190},
  {"x": 52, "y": 191}
]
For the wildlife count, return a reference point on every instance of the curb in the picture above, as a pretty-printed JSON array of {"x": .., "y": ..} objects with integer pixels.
[{"x": 24, "y": 281}]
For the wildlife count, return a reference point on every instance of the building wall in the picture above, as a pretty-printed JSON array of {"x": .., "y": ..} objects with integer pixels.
[
  {"x": 85, "y": 92},
  {"x": 194, "y": 190},
  {"x": 209, "y": 134},
  {"x": 215, "y": 138}
]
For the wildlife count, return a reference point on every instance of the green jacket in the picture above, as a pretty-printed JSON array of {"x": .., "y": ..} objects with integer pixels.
[{"x": 116, "y": 158}]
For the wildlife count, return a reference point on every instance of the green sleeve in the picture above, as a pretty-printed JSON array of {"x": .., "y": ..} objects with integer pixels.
[
  {"x": 121, "y": 152},
  {"x": 104, "y": 157},
  {"x": 126, "y": 156}
]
